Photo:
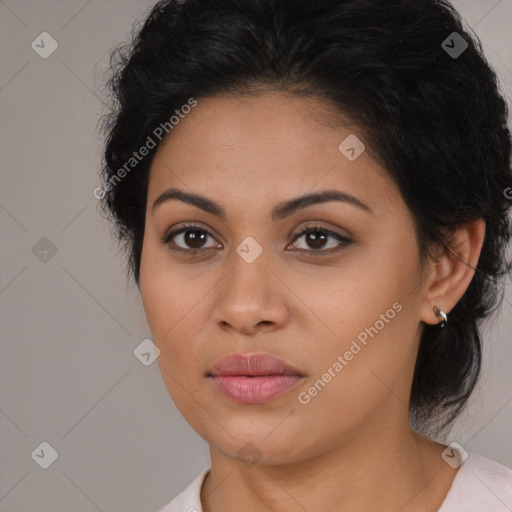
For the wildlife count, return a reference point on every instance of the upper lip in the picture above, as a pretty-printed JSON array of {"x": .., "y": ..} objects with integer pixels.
[{"x": 252, "y": 364}]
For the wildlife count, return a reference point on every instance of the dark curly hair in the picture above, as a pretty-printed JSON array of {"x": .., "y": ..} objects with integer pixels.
[{"x": 435, "y": 120}]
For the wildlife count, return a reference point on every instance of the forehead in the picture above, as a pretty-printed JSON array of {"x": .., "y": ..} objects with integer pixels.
[{"x": 267, "y": 145}]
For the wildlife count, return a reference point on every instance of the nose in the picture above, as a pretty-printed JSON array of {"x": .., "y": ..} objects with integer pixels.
[{"x": 251, "y": 298}]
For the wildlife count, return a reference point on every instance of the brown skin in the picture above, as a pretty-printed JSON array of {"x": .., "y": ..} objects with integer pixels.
[{"x": 351, "y": 447}]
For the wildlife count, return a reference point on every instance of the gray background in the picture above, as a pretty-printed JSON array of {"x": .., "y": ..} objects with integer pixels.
[{"x": 68, "y": 375}]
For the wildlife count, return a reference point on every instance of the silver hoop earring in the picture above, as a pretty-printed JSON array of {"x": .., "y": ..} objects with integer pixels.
[{"x": 440, "y": 313}]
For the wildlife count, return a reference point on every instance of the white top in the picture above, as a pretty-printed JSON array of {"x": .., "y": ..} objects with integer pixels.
[{"x": 480, "y": 485}]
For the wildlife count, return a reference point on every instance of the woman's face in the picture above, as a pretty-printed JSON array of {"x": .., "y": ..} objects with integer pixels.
[{"x": 343, "y": 312}]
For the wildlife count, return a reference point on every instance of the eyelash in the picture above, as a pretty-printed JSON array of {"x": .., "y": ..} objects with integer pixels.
[{"x": 309, "y": 229}]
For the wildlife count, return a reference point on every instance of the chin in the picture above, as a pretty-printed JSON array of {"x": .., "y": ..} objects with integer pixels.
[{"x": 251, "y": 443}]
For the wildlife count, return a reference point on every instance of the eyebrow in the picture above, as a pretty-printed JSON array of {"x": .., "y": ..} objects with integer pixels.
[{"x": 282, "y": 210}]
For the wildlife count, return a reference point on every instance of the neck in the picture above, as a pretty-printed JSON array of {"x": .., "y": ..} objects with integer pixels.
[{"x": 393, "y": 468}]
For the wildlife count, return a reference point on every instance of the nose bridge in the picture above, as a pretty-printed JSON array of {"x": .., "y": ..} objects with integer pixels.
[
  {"x": 249, "y": 273},
  {"x": 248, "y": 297}
]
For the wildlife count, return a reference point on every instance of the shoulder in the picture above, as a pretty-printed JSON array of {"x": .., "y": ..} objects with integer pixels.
[
  {"x": 480, "y": 484},
  {"x": 189, "y": 500}
]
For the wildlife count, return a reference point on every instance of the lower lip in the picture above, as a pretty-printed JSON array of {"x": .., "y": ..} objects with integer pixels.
[{"x": 254, "y": 390}]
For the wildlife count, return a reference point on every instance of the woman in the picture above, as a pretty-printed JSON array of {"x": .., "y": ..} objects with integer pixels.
[{"x": 314, "y": 199}]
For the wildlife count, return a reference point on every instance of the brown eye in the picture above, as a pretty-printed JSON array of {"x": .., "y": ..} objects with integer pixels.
[
  {"x": 194, "y": 238},
  {"x": 316, "y": 240},
  {"x": 189, "y": 238}
]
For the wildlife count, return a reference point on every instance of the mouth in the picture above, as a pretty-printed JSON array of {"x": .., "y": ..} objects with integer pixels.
[{"x": 253, "y": 378}]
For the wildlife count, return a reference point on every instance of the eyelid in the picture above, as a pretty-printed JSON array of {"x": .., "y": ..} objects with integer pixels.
[{"x": 319, "y": 227}]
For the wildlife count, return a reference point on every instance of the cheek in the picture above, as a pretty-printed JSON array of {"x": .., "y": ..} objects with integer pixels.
[
  {"x": 169, "y": 303},
  {"x": 172, "y": 305},
  {"x": 171, "y": 308},
  {"x": 370, "y": 366},
  {"x": 343, "y": 299},
  {"x": 371, "y": 309}
]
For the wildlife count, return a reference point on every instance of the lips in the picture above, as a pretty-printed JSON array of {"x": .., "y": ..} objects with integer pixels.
[
  {"x": 252, "y": 364},
  {"x": 253, "y": 378}
]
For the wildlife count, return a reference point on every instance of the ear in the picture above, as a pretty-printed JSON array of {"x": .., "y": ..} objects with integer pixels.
[{"x": 452, "y": 270}]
